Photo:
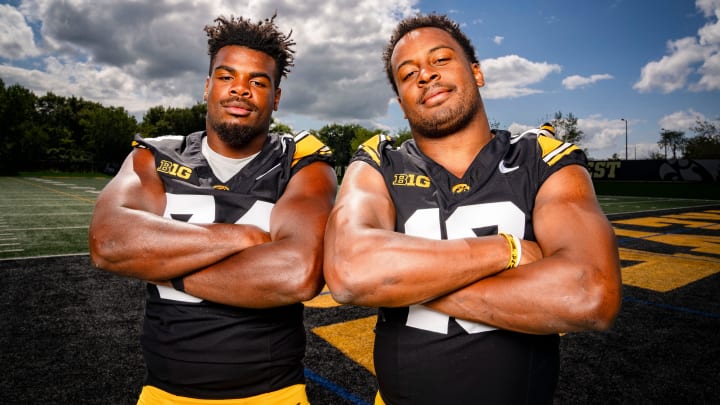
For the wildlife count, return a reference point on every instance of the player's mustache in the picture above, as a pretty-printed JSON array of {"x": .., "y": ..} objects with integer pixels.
[
  {"x": 238, "y": 102},
  {"x": 434, "y": 88}
]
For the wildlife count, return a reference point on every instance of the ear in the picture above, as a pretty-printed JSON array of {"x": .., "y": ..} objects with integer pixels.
[
  {"x": 205, "y": 95},
  {"x": 399, "y": 100},
  {"x": 478, "y": 74},
  {"x": 278, "y": 93}
]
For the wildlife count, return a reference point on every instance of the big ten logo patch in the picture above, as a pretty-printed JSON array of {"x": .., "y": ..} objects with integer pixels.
[
  {"x": 174, "y": 169},
  {"x": 411, "y": 180}
]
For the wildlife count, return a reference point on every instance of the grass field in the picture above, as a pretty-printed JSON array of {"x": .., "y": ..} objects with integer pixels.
[
  {"x": 46, "y": 216},
  {"x": 49, "y": 215},
  {"x": 70, "y": 332}
]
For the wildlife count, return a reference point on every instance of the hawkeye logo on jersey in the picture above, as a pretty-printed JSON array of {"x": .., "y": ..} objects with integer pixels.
[
  {"x": 411, "y": 180},
  {"x": 460, "y": 188},
  {"x": 174, "y": 169}
]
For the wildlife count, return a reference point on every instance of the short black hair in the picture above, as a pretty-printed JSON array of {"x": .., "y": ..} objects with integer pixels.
[
  {"x": 262, "y": 36},
  {"x": 421, "y": 21}
]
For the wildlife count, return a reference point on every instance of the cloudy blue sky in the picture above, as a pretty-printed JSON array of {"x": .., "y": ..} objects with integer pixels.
[{"x": 654, "y": 63}]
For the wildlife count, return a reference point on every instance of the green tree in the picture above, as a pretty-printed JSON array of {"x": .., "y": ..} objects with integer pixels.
[
  {"x": 343, "y": 139},
  {"x": 402, "y": 136},
  {"x": 160, "y": 120},
  {"x": 675, "y": 140},
  {"x": 155, "y": 123},
  {"x": 706, "y": 142},
  {"x": 60, "y": 120},
  {"x": 362, "y": 134},
  {"x": 566, "y": 128},
  {"x": 185, "y": 121},
  {"x": 109, "y": 132},
  {"x": 280, "y": 128},
  {"x": 21, "y": 141}
]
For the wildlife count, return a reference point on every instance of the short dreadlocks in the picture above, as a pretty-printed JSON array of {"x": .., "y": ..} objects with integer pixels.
[
  {"x": 421, "y": 21},
  {"x": 262, "y": 36}
]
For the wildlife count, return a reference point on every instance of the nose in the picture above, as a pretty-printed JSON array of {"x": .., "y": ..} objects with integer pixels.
[
  {"x": 239, "y": 88},
  {"x": 427, "y": 75}
]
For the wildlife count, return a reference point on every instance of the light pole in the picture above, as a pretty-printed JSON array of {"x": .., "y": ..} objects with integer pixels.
[{"x": 623, "y": 119}]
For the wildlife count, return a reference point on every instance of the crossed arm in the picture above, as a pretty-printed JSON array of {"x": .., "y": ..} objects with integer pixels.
[
  {"x": 233, "y": 264},
  {"x": 569, "y": 280}
]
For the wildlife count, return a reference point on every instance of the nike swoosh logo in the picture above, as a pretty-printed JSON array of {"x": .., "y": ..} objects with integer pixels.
[{"x": 504, "y": 169}]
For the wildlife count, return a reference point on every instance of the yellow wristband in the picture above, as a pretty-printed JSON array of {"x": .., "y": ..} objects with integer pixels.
[{"x": 515, "y": 247}]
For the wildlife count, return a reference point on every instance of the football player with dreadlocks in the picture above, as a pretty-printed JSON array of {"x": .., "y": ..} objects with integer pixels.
[{"x": 226, "y": 225}]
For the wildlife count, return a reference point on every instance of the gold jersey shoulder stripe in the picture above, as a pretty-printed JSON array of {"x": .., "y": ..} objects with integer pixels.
[
  {"x": 553, "y": 149},
  {"x": 307, "y": 144},
  {"x": 372, "y": 146}
]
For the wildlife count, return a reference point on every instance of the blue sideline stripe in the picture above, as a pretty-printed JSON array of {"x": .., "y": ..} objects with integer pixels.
[
  {"x": 673, "y": 308},
  {"x": 330, "y": 386}
]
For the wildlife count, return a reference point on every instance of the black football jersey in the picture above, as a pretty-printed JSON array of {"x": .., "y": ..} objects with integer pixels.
[
  {"x": 201, "y": 349},
  {"x": 423, "y": 356}
]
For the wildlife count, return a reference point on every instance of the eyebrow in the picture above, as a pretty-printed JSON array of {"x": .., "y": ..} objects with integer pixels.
[
  {"x": 252, "y": 74},
  {"x": 409, "y": 61}
]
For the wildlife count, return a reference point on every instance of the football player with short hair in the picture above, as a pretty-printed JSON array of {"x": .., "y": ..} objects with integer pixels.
[
  {"x": 226, "y": 225},
  {"x": 478, "y": 247}
]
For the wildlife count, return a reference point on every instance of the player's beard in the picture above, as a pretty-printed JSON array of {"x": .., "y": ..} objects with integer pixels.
[
  {"x": 447, "y": 121},
  {"x": 237, "y": 136}
]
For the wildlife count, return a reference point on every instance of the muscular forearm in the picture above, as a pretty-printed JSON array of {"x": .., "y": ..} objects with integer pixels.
[
  {"x": 385, "y": 268},
  {"x": 549, "y": 296},
  {"x": 268, "y": 275},
  {"x": 575, "y": 286},
  {"x": 287, "y": 269},
  {"x": 145, "y": 246}
]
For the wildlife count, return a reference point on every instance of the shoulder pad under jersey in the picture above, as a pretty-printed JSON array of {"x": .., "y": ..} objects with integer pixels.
[{"x": 307, "y": 144}]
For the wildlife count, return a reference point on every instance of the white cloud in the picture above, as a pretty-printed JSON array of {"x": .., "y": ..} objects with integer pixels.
[
  {"x": 680, "y": 120},
  {"x": 511, "y": 76},
  {"x": 601, "y": 133},
  {"x": 143, "y": 54},
  {"x": 498, "y": 39},
  {"x": 345, "y": 38},
  {"x": 16, "y": 36},
  {"x": 708, "y": 7},
  {"x": 606, "y": 137},
  {"x": 575, "y": 81},
  {"x": 517, "y": 129},
  {"x": 602, "y": 137},
  {"x": 688, "y": 58},
  {"x": 672, "y": 71},
  {"x": 710, "y": 71}
]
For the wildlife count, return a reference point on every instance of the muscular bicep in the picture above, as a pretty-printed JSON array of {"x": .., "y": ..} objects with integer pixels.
[
  {"x": 363, "y": 200},
  {"x": 136, "y": 186},
  {"x": 567, "y": 217},
  {"x": 303, "y": 209},
  {"x": 575, "y": 286},
  {"x": 362, "y": 219}
]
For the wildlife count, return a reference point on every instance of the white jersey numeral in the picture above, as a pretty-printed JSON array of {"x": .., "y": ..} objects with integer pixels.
[
  {"x": 426, "y": 223},
  {"x": 201, "y": 209}
]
